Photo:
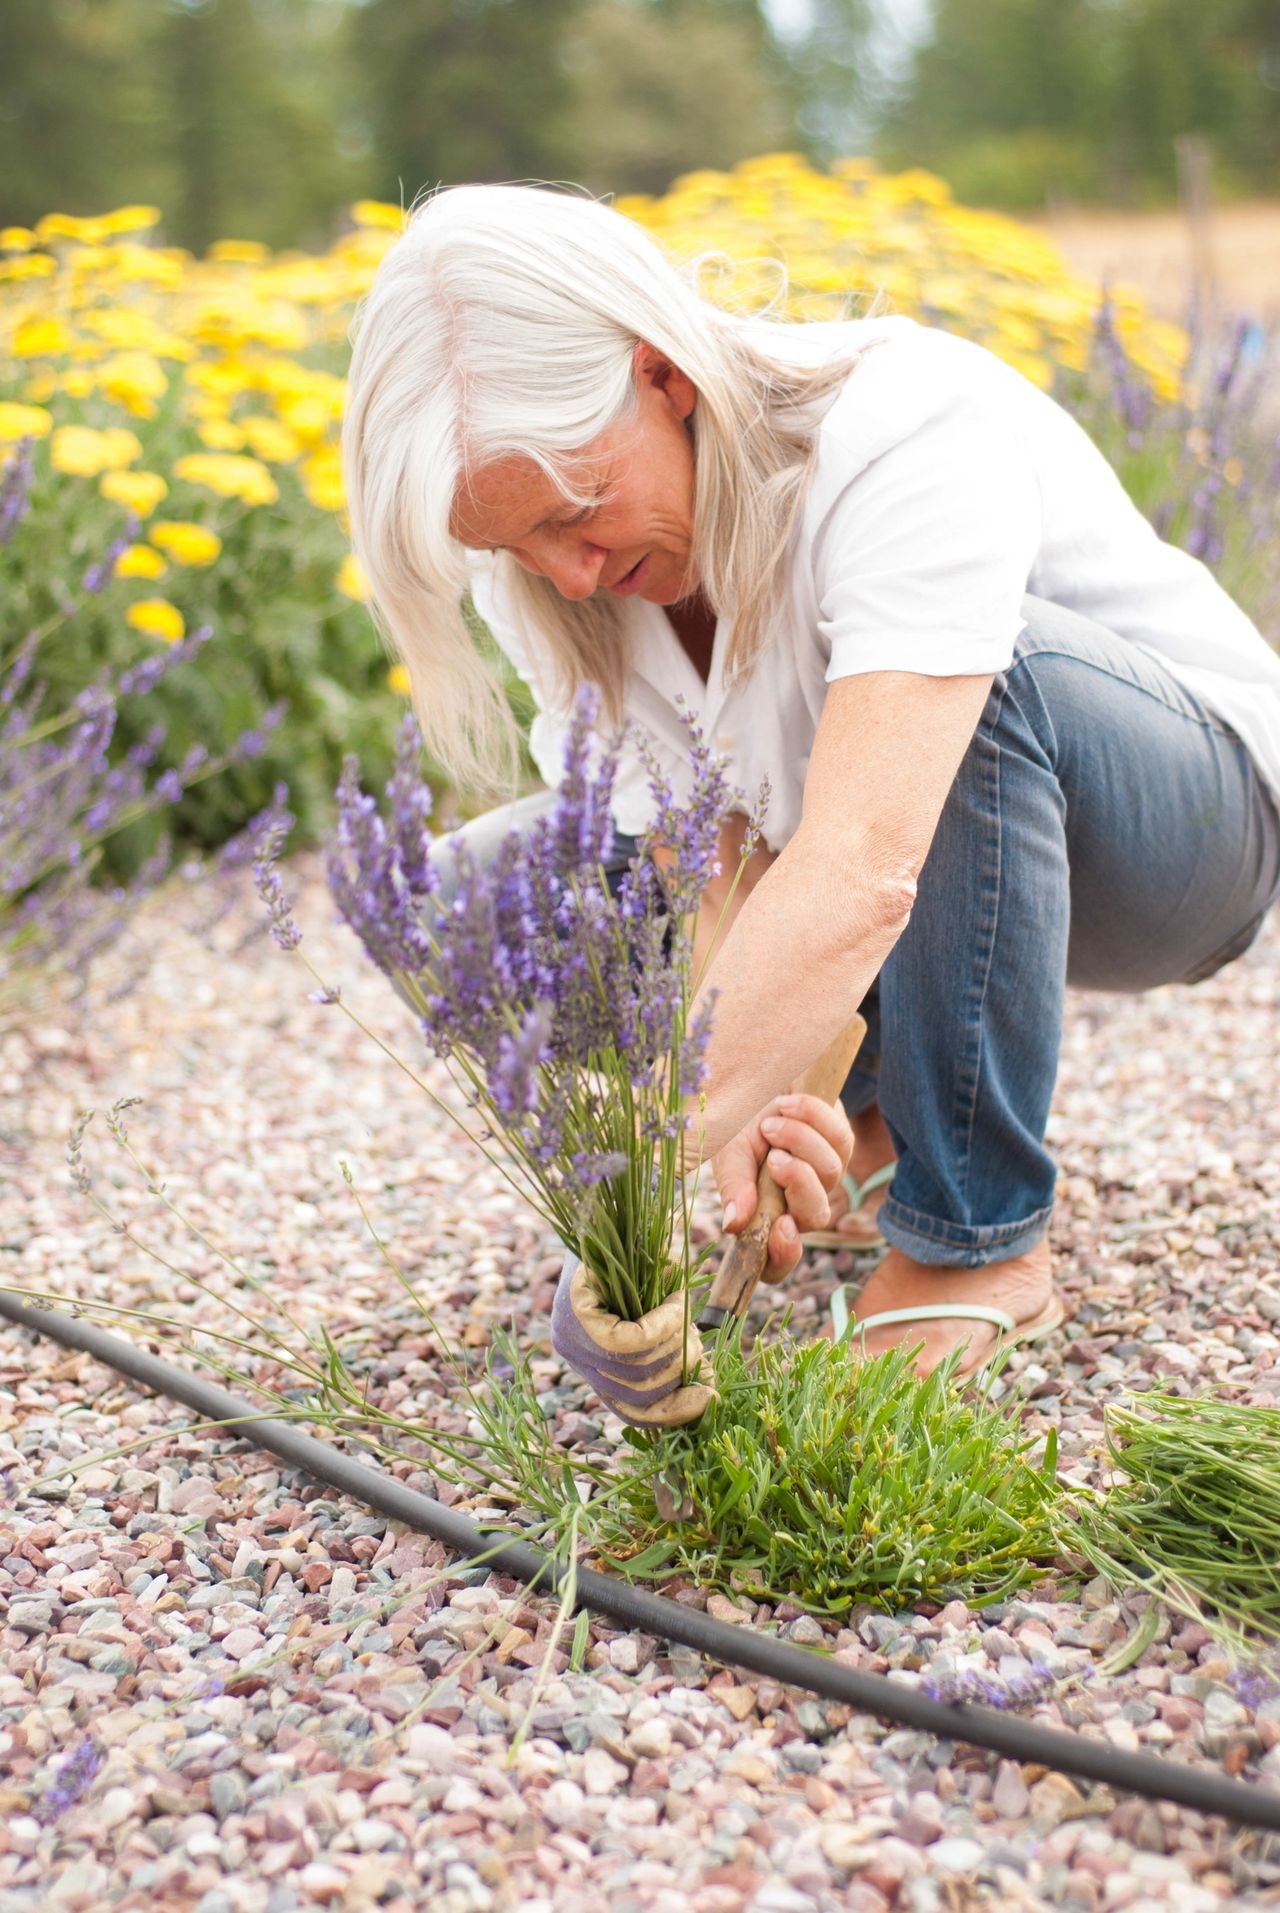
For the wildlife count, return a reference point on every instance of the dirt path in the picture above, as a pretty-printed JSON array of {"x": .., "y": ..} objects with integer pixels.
[{"x": 1153, "y": 252}]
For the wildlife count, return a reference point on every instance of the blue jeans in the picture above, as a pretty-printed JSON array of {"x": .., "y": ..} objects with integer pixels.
[{"x": 1105, "y": 830}]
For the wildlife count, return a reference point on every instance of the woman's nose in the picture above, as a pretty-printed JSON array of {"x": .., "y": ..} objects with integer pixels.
[{"x": 573, "y": 566}]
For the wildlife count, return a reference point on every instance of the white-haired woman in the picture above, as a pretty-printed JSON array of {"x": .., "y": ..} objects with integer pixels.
[{"x": 1014, "y": 740}]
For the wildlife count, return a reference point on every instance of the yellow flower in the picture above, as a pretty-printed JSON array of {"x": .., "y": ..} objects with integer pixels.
[
  {"x": 267, "y": 438},
  {"x": 186, "y": 544},
  {"x": 33, "y": 265},
  {"x": 131, "y": 219},
  {"x": 67, "y": 226},
  {"x": 352, "y": 582},
  {"x": 157, "y": 618},
  {"x": 378, "y": 212},
  {"x": 41, "y": 337},
  {"x": 307, "y": 416},
  {"x": 16, "y": 238},
  {"x": 136, "y": 380},
  {"x": 229, "y": 475},
  {"x": 140, "y": 561},
  {"x": 140, "y": 491},
  {"x": 84, "y": 452},
  {"x": 220, "y": 435},
  {"x": 322, "y": 479},
  {"x": 238, "y": 252},
  {"x": 78, "y": 383},
  {"x": 41, "y": 387},
  {"x": 128, "y": 330},
  {"x": 23, "y": 421},
  {"x": 399, "y": 681}
]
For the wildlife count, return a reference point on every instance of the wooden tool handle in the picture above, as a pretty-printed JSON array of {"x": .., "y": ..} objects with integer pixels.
[{"x": 745, "y": 1262}]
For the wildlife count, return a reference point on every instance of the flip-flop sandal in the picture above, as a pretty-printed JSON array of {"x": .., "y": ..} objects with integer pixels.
[
  {"x": 858, "y": 1193},
  {"x": 1051, "y": 1316}
]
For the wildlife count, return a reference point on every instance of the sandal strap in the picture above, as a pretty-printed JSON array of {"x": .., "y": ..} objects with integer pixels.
[
  {"x": 859, "y": 1191},
  {"x": 940, "y": 1311}
]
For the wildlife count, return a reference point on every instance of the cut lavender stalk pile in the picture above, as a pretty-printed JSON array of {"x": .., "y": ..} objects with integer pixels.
[{"x": 290, "y": 1716}]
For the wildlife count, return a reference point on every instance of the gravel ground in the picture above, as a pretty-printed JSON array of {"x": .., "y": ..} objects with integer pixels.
[{"x": 224, "y": 1689}]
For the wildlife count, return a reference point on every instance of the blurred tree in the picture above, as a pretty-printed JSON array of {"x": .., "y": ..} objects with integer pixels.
[
  {"x": 455, "y": 90},
  {"x": 1012, "y": 99},
  {"x": 662, "y": 87},
  {"x": 261, "y": 133},
  {"x": 81, "y": 113}
]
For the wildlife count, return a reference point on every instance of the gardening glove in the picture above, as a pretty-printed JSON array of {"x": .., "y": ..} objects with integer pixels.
[{"x": 634, "y": 1367}]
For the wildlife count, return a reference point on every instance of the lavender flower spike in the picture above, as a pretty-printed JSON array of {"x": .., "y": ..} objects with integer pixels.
[
  {"x": 269, "y": 841},
  {"x": 75, "y": 1776}
]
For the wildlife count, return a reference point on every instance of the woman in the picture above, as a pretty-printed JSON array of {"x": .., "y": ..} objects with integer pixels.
[{"x": 1013, "y": 739}]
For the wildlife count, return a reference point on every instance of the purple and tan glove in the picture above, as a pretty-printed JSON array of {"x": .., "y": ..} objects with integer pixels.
[{"x": 634, "y": 1367}]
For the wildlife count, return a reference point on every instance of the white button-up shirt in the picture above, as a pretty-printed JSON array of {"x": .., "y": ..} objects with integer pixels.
[{"x": 947, "y": 486}]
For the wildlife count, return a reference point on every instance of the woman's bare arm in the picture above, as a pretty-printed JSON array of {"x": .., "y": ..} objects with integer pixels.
[{"x": 818, "y": 923}]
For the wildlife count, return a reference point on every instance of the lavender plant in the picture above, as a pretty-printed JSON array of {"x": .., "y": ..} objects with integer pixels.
[
  {"x": 64, "y": 793},
  {"x": 1205, "y": 467},
  {"x": 553, "y": 1001}
]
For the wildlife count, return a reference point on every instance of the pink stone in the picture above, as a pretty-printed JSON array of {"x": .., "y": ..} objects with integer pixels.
[{"x": 241, "y": 1641}]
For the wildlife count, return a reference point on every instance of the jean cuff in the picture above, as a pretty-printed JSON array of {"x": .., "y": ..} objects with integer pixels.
[{"x": 959, "y": 1245}]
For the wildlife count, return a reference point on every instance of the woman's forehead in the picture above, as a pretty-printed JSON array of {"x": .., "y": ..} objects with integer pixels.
[{"x": 498, "y": 503}]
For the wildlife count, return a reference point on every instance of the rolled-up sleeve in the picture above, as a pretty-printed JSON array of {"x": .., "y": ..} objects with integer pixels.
[{"x": 922, "y": 561}]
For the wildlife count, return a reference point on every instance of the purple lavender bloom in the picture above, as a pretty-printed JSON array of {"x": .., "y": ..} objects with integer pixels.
[
  {"x": 74, "y": 1778},
  {"x": 266, "y": 876},
  {"x": 1255, "y": 1685},
  {"x": 144, "y": 676},
  {"x": 252, "y": 743},
  {"x": 986, "y": 1689},
  {"x": 15, "y": 489},
  {"x": 99, "y": 576},
  {"x": 1131, "y": 394},
  {"x": 513, "y": 1083}
]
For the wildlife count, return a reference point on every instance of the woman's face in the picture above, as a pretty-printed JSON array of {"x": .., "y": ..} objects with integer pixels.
[{"x": 636, "y": 539}]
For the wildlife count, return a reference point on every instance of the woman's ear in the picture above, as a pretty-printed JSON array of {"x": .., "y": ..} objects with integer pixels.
[{"x": 654, "y": 369}]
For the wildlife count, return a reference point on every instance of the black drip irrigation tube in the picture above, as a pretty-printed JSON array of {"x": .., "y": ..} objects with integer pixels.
[{"x": 632, "y": 1607}]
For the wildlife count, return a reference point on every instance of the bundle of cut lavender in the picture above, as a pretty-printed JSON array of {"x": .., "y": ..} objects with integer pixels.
[{"x": 561, "y": 1007}]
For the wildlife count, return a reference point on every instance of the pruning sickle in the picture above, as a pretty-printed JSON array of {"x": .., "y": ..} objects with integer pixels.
[{"x": 744, "y": 1265}]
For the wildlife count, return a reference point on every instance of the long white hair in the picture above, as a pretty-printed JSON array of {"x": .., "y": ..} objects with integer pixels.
[{"x": 504, "y": 322}]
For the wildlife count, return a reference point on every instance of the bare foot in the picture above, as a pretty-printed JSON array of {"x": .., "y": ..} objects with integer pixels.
[
  {"x": 872, "y": 1149},
  {"x": 1021, "y": 1286}
]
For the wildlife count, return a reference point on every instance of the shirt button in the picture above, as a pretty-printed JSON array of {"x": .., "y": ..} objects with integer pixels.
[{"x": 724, "y": 743}]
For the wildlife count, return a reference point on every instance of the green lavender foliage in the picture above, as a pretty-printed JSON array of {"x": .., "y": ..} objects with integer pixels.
[{"x": 813, "y": 1477}]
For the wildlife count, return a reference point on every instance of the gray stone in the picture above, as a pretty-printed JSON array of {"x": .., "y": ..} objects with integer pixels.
[
  {"x": 228, "y": 1793},
  {"x": 30, "y": 1617}
]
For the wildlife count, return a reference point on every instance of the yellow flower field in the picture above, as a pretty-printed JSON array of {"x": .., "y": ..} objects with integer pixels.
[
  {"x": 207, "y": 382},
  {"x": 185, "y": 413}
]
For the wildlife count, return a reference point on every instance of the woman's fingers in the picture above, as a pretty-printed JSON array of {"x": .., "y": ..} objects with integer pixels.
[
  {"x": 808, "y": 1205},
  {"x": 807, "y": 1144},
  {"x": 802, "y": 1116}
]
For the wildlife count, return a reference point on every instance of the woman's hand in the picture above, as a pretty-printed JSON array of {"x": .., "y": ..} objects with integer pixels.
[{"x": 816, "y": 1144}]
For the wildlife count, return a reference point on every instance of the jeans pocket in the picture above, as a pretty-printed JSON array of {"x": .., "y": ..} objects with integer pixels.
[{"x": 1228, "y": 953}]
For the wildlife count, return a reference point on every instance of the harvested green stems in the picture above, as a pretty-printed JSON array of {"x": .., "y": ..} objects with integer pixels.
[
  {"x": 813, "y": 1477},
  {"x": 1197, "y": 1518}
]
